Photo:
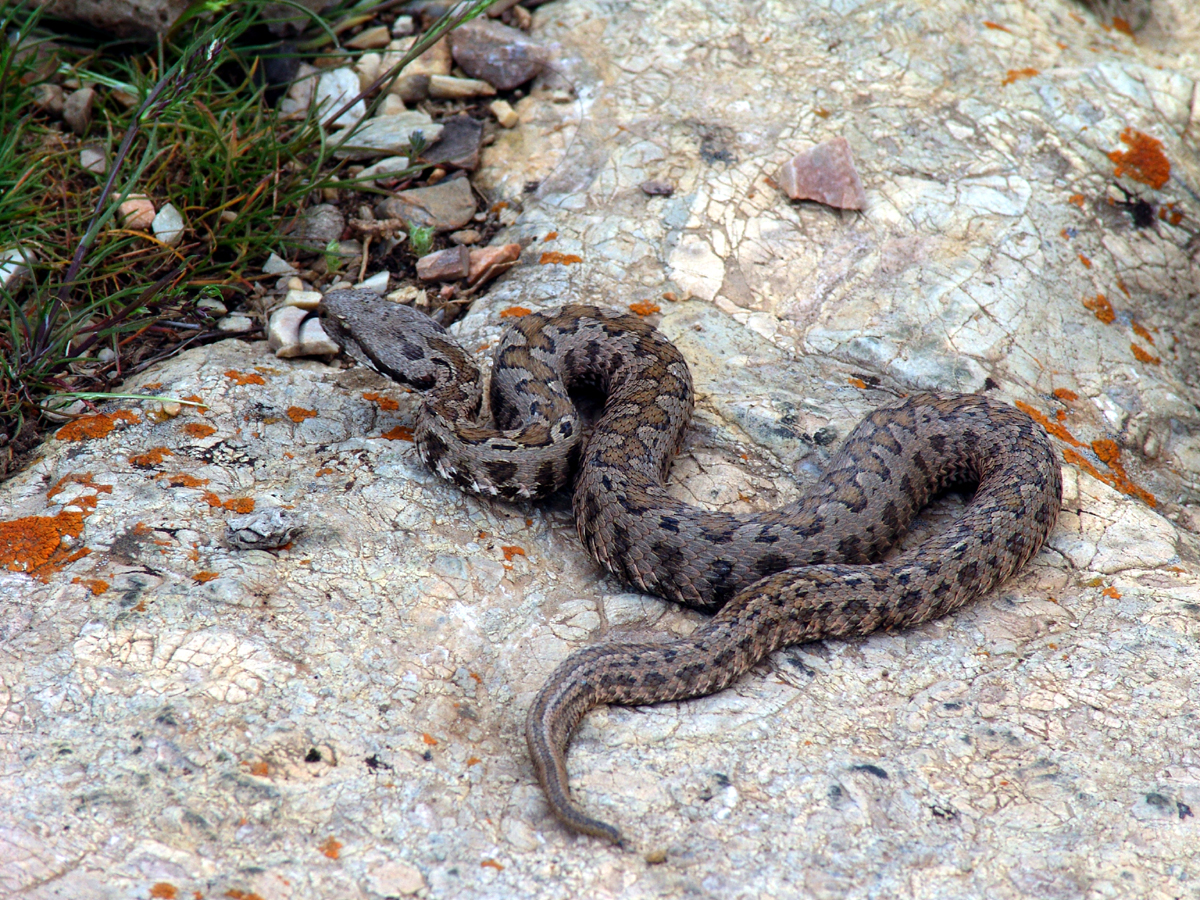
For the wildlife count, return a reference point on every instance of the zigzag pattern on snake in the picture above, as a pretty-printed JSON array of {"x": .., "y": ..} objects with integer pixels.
[{"x": 803, "y": 572}]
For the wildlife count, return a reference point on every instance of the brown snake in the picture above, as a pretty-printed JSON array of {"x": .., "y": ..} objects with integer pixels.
[{"x": 806, "y": 571}]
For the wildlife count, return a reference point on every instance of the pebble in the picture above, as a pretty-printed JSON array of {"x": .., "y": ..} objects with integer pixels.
[
  {"x": 136, "y": 213},
  {"x": 385, "y": 167},
  {"x": 77, "y": 109},
  {"x": 391, "y": 134},
  {"x": 367, "y": 68},
  {"x": 334, "y": 88},
  {"x": 490, "y": 262},
  {"x": 448, "y": 87},
  {"x": 503, "y": 57},
  {"x": 824, "y": 173},
  {"x": 403, "y": 26},
  {"x": 314, "y": 341},
  {"x": 283, "y": 330},
  {"x": 320, "y": 226},
  {"x": 265, "y": 529},
  {"x": 93, "y": 160},
  {"x": 300, "y": 92},
  {"x": 214, "y": 309},
  {"x": 50, "y": 97},
  {"x": 657, "y": 188},
  {"x": 466, "y": 236},
  {"x": 458, "y": 145},
  {"x": 307, "y": 300},
  {"x": 167, "y": 225},
  {"x": 413, "y": 83},
  {"x": 374, "y": 38},
  {"x": 277, "y": 265},
  {"x": 392, "y": 106},
  {"x": 376, "y": 284},
  {"x": 504, "y": 113},
  {"x": 235, "y": 324},
  {"x": 446, "y": 206},
  {"x": 445, "y": 265},
  {"x": 13, "y": 268}
]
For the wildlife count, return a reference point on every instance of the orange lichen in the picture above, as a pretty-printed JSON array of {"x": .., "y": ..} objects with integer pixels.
[
  {"x": 857, "y": 382},
  {"x": 330, "y": 848},
  {"x": 514, "y": 312},
  {"x": 399, "y": 433},
  {"x": 198, "y": 429},
  {"x": 1077, "y": 199},
  {"x": 95, "y": 585},
  {"x": 553, "y": 256},
  {"x": 429, "y": 739},
  {"x": 298, "y": 414},
  {"x": 1053, "y": 428},
  {"x": 473, "y": 761},
  {"x": 82, "y": 478},
  {"x": 163, "y": 890},
  {"x": 1118, "y": 479},
  {"x": 670, "y": 297},
  {"x": 995, "y": 26},
  {"x": 1142, "y": 356},
  {"x": 241, "y": 505},
  {"x": 235, "y": 894},
  {"x": 644, "y": 308},
  {"x": 1018, "y": 74},
  {"x": 491, "y": 864},
  {"x": 1065, "y": 396},
  {"x": 205, "y": 577},
  {"x": 1144, "y": 161},
  {"x": 34, "y": 544},
  {"x": 1107, "y": 451},
  {"x": 1122, "y": 25},
  {"x": 1124, "y": 290},
  {"x": 1087, "y": 263},
  {"x": 244, "y": 378},
  {"x": 182, "y": 479},
  {"x": 1141, "y": 331},
  {"x": 151, "y": 458},
  {"x": 550, "y": 235},
  {"x": 384, "y": 403},
  {"x": 821, "y": 112},
  {"x": 1111, "y": 592},
  {"x": 87, "y": 428},
  {"x": 510, "y": 552},
  {"x": 321, "y": 473},
  {"x": 1101, "y": 308}
]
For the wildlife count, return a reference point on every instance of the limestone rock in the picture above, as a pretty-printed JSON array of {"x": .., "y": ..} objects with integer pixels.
[{"x": 444, "y": 206}]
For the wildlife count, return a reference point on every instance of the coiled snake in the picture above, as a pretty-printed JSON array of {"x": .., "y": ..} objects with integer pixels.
[{"x": 803, "y": 572}]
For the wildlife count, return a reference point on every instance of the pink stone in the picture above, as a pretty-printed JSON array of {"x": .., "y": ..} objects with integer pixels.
[
  {"x": 824, "y": 173},
  {"x": 444, "y": 265},
  {"x": 489, "y": 262}
]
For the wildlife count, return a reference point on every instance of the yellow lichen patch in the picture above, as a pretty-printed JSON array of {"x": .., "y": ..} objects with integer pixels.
[
  {"x": 385, "y": 403},
  {"x": 34, "y": 544},
  {"x": 1142, "y": 356},
  {"x": 1101, "y": 308},
  {"x": 298, "y": 414},
  {"x": 1077, "y": 199},
  {"x": 244, "y": 378},
  {"x": 82, "y": 478},
  {"x": 551, "y": 257},
  {"x": 1144, "y": 161},
  {"x": 151, "y": 458},
  {"x": 198, "y": 429},
  {"x": 164, "y": 890},
  {"x": 87, "y": 428},
  {"x": 1087, "y": 263},
  {"x": 241, "y": 505},
  {"x": 95, "y": 585},
  {"x": 1141, "y": 332},
  {"x": 1017, "y": 74}
]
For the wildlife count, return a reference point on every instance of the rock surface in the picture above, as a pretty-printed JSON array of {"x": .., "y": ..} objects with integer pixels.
[{"x": 343, "y": 718}]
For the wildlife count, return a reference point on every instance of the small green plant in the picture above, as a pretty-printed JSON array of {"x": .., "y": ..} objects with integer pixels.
[{"x": 420, "y": 238}]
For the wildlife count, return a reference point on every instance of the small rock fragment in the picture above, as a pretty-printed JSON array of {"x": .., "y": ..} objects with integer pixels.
[
  {"x": 92, "y": 159},
  {"x": 314, "y": 341},
  {"x": 395, "y": 879},
  {"x": 413, "y": 83},
  {"x": 446, "y": 206},
  {"x": 504, "y": 113},
  {"x": 77, "y": 109},
  {"x": 385, "y": 167},
  {"x": 458, "y": 145},
  {"x": 235, "y": 324},
  {"x": 445, "y": 265},
  {"x": 367, "y": 69},
  {"x": 448, "y": 87},
  {"x": 403, "y": 26},
  {"x": 276, "y": 265},
  {"x": 300, "y": 93},
  {"x": 391, "y": 134},
  {"x": 307, "y": 300},
  {"x": 657, "y": 188},
  {"x": 824, "y": 173},
  {"x": 14, "y": 266},
  {"x": 50, "y": 97},
  {"x": 136, "y": 213},
  {"x": 503, "y": 57},
  {"x": 376, "y": 284},
  {"x": 466, "y": 236},
  {"x": 392, "y": 106},
  {"x": 490, "y": 262},
  {"x": 266, "y": 529},
  {"x": 320, "y": 226},
  {"x": 167, "y": 225},
  {"x": 212, "y": 308},
  {"x": 374, "y": 38},
  {"x": 335, "y": 88},
  {"x": 283, "y": 331}
]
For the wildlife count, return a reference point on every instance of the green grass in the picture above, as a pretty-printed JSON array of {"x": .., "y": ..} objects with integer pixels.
[{"x": 102, "y": 302}]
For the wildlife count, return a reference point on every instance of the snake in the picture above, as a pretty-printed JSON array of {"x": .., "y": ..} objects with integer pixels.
[{"x": 810, "y": 570}]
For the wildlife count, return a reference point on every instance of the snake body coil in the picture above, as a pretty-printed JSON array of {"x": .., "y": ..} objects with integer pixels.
[{"x": 803, "y": 572}]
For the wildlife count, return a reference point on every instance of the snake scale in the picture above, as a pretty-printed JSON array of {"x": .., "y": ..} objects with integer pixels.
[{"x": 806, "y": 571}]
